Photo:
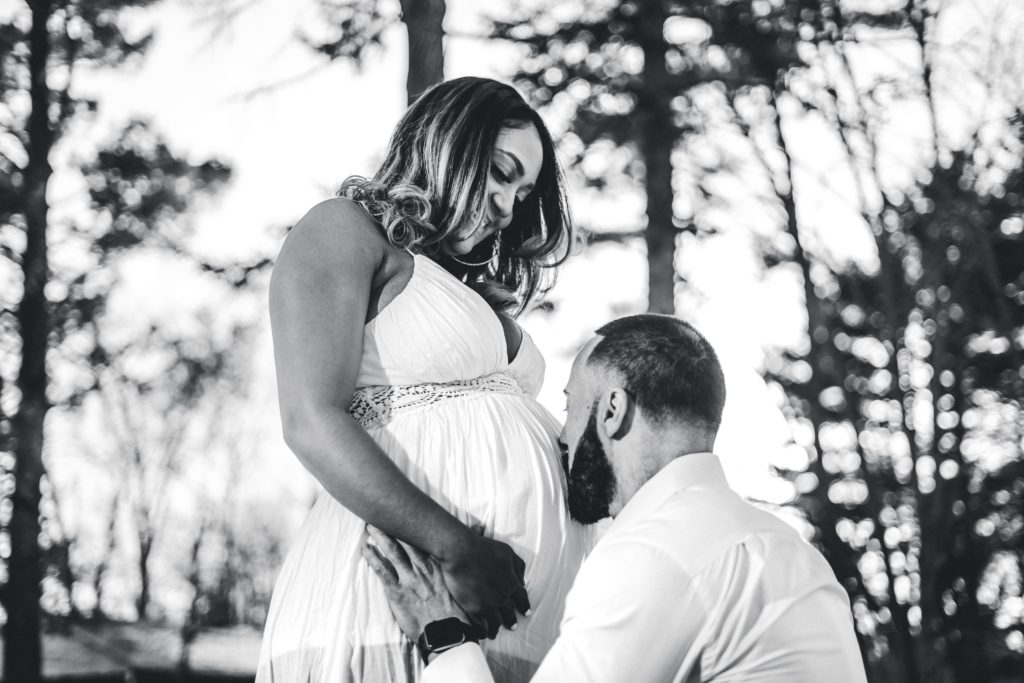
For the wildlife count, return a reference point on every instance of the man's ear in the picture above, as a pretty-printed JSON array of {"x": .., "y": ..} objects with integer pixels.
[{"x": 615, "y": 413}]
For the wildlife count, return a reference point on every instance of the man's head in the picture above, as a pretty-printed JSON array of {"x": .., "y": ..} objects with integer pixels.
[{"x": 645, "y": 390}]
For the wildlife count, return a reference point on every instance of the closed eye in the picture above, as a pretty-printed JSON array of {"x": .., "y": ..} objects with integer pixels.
[
  {"x": 500, "y": 174},
  {"x": 503, "y": 177}
]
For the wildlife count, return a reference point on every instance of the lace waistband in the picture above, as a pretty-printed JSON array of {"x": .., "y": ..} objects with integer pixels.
[{"x": 378, "y": 404}]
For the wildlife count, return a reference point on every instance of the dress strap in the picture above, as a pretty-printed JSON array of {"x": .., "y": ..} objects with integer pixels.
[{"x": 379, "y": 404}]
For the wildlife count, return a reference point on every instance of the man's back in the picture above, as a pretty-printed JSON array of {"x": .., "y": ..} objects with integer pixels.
[{"x": 692, "y": 583}]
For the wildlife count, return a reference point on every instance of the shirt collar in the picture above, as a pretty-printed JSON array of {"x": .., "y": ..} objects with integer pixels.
[{"x": 688, "y": 471}]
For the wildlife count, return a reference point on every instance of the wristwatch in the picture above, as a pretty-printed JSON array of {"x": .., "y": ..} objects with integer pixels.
[{"x": 442, "y": 635}]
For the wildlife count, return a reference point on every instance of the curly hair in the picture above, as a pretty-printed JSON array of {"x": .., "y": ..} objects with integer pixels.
[
  {"x": 434, "y": 177},
  {"x": 403, "y": 210}
]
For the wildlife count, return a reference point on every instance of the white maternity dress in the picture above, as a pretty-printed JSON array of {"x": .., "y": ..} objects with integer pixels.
[{"x": 437, "y": 393}]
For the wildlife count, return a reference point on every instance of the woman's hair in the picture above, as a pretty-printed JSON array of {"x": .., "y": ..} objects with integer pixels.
[{"x": 434, "y": 177}]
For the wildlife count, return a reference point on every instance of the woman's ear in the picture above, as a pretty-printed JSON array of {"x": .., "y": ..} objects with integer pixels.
[{"x": 615, "y": 413}]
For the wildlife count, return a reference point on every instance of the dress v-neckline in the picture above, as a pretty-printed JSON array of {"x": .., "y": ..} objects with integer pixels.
[{"x": 509, "y": 357}]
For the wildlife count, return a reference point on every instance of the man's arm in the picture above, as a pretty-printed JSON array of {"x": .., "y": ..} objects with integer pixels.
[
  {"x": 632, "y": 614},
  {"x": 463, "y": 664}
]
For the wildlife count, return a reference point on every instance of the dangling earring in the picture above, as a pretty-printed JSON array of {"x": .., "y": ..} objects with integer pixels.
[{"x": 494, "y": 254}]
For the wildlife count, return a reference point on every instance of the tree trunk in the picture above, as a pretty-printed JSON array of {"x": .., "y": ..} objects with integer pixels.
[
  {"x": 193, "y": 621},
  {"x": 656, "y": 135},
  {"x": 101, "y": 567},
  {"x": 424, "y": 22},
  {"x": 22, "y": 641},
  {"x": 145, "y": 547},
  {"x": 60, "y": 553}
]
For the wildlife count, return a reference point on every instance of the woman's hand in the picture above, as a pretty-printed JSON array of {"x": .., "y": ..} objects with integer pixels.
[{"x": 486, "y": 578}]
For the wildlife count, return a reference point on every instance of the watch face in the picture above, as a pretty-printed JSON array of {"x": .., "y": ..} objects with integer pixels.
[{"x": 444, "y": 634}]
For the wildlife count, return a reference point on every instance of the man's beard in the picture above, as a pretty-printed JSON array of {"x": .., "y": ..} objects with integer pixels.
[{"x": 591, "y": 478}]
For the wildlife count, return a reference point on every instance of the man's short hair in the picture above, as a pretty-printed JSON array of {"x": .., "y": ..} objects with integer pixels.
[{"x": 667, "y": 366}]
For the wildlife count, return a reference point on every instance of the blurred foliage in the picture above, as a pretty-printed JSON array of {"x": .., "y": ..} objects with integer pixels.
[
  {"x": 909, "y": 411},
  {"x": 40, "y": 46},
  {"x": 628, "y": 77},
  {"x": 59, "y": 271},
  {"x": 351, "y": 29},
  {"x": 608, "y": 70},
  {"x": 905, "y": 397}
]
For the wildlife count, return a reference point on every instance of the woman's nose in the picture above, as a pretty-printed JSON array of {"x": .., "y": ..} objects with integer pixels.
[{"x": 503, "y": 204}]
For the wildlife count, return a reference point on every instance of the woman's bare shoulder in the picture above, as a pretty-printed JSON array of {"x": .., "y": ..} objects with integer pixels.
[{"x": 335, "y": 232}]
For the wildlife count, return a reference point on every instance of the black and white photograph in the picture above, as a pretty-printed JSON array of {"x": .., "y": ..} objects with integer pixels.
[{"x": 441, "y": 341}]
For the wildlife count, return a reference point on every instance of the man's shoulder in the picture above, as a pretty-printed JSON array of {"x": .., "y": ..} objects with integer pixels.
[{"x": 695, "y": 526}]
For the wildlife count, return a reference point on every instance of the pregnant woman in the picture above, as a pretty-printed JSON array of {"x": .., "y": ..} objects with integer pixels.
[{"x": 407, "y": 389}]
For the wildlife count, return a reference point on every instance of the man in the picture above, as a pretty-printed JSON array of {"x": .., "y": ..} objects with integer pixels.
[{"x": 689, "y": 583}]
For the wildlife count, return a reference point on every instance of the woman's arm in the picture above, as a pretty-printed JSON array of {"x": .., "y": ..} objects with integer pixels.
[{"x": 319, "y": 295}]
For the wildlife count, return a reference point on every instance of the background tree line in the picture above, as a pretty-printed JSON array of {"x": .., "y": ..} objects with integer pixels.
[{"x": 63, "y": 351}]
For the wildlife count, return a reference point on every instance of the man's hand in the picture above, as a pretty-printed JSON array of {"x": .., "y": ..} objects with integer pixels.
[
  {"x": 486, "y": 579},
  {"x": 413, "y": 583}
]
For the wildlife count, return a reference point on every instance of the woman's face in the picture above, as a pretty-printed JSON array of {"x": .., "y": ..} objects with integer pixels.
[{"x": 517, "y": 159}]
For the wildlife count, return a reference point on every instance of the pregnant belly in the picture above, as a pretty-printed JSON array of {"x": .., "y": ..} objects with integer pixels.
[{"x": 490, "y": 459}]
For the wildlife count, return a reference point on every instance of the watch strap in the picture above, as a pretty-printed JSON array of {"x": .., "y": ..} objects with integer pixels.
[{"x": 427, "y": 648}]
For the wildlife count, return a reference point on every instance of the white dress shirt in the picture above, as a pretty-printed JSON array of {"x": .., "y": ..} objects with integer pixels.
[{"x": 692, "y": 583}]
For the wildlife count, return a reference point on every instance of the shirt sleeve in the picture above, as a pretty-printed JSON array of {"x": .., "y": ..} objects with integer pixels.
[
  {"x": 462, "y": 664},
  {"x": 633, "y": 614}
]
